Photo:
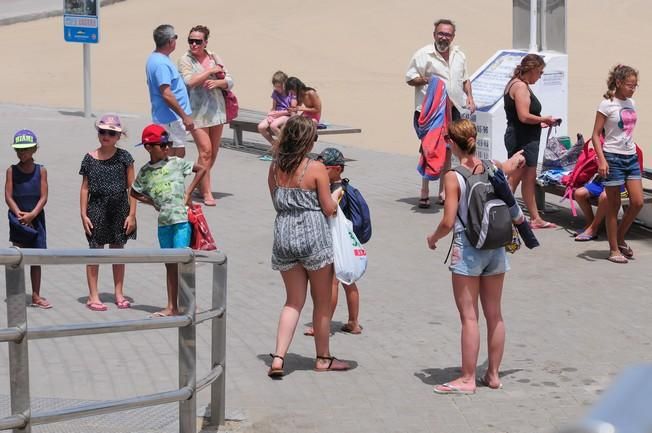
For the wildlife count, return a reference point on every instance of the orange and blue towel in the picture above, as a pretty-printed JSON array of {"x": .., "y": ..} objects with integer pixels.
[{"x": 431, "y": 127}]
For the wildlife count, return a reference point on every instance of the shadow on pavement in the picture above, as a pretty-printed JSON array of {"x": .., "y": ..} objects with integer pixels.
[
  {"x": 414, "y": 202},
  {"x": 435, "y": 376}
]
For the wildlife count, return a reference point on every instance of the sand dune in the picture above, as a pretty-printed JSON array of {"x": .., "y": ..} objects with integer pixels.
[{"x": 354, "y": 53}]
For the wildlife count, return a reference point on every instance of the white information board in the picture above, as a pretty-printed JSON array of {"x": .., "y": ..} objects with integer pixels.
[{"x": 488, "y": 84}]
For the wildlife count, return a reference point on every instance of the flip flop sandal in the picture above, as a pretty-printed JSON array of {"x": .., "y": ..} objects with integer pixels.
[
  {"x": 424, "y": 203},
  {"x": 276, "y": 372},
  {"x": 210, "y": 202},
  {"x": 450, "y": 389},
  {"x": 96, "y": 306},
  {"x": 626, "y": 251},
  {"x": 350, "y": 330},
  {"x": 621, "y": 260},
  {"x": 124, "y": 304},
  {"x": 158, "y": 315},
  {"x": 544, "y": 225},
  {"x": 334, "y": 364},
  {"x": 42, "y": 304},
  {"x": 582, "y": 237},
  {"x": 484, "y": 382}
]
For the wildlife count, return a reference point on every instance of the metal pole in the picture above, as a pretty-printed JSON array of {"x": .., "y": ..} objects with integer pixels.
[
  {"x": 87, "y": 80},
  {"x": 187, "y": 348},
  {"x": 18, "y": 356},
  {"x": 543, "y": 26},
  {"x": 533, "y": 26},
  {"x": 218, "y": 345}
]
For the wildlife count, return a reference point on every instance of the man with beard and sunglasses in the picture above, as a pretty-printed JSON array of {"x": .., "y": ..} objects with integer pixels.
[{"x": 448, "y": 62}]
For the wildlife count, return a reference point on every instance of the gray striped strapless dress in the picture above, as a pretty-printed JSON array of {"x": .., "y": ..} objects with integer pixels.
[{"x": 301, "y": 233}]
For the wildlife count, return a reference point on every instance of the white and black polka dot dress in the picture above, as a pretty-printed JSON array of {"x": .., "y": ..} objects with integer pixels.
[{"x": 108, "y": 199}]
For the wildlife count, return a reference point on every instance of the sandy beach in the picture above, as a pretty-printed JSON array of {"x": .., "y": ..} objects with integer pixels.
[{"x": 354, "y": 54}]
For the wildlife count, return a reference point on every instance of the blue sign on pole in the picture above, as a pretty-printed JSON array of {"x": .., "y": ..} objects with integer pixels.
[{"x": 80, "y": 21}]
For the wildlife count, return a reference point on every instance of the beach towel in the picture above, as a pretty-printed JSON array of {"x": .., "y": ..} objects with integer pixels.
[{"x": 431, "y": 127}]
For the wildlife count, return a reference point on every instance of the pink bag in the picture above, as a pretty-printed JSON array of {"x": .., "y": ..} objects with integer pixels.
[
  {"x": 230, "y": 100},
  {"x": 231, "y": 103}
]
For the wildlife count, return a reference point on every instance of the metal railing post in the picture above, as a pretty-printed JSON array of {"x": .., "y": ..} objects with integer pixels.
[
  {"x": 218, "y": 345},
  {"x": 187, "y": 348},
  {"x": 18, "y": 356}
]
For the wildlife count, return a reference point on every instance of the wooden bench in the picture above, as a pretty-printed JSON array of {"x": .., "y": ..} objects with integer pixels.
[
  {"x": 248, "y": 120},
  {"x": 559, "y": 190}
]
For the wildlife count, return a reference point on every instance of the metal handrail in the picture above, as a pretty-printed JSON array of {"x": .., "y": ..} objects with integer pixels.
[
  {"x": 102, "y": 407},
  {"x": 18, "y": 333}
]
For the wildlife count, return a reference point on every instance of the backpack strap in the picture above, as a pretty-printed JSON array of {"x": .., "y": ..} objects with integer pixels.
[
  {"x": 465, "y": 173},
  {"x": 345, "y": 188}
]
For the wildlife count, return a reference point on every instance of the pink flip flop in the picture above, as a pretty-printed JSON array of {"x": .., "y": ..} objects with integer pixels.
[
  {"x": 123, "y": 304},
  {"x": 96, "y": 306},
  {"x": 621, "y": 260}
]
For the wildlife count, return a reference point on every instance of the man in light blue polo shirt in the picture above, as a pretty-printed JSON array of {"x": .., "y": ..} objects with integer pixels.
[{"x": 167, "y": 91}]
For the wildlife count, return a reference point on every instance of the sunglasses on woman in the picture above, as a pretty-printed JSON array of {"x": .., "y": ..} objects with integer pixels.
[
  {"x": 195, "y": 41},
  {"x": 108, "y": 132}
]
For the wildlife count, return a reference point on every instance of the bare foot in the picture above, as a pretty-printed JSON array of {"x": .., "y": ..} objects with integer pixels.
[{"x": 309, "y": 331}]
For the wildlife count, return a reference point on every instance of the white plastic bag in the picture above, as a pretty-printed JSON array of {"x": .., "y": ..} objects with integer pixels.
[{"x": 349, "y": 255}]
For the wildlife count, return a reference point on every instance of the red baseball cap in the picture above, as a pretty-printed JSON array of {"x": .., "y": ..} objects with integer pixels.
[{"x": 154, "y": 134}]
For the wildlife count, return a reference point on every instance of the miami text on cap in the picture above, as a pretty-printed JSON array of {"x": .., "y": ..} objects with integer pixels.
[{"x": 24, "y": 139}]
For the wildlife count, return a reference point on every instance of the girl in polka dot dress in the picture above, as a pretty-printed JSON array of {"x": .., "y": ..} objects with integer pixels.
[{"x": 108, "y": 213}]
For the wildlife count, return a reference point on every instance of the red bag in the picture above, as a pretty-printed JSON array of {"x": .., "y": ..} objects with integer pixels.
[
  {"x": 230, "y": 100},
  {"x": 201, "y": 237},
  {"x": 585, "y": 168},
  {"x": 231, "y": 103}
]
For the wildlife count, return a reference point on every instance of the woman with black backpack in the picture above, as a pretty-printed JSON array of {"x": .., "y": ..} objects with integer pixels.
[{"x": 478, "y": 260}]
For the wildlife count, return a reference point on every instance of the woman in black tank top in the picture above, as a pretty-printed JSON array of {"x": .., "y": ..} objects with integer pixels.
[{"x": 524, "y": 122}]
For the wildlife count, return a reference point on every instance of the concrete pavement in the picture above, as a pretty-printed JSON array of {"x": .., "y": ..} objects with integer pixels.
[{"x": 573, "y": 319}]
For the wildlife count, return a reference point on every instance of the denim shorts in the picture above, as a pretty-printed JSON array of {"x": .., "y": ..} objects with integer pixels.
[
  {"x": 472, "y": 262},
  {"x": 621, "y": 168},
  {"x": 595, "y": 188},
  {"x": 174, "y": 235}
]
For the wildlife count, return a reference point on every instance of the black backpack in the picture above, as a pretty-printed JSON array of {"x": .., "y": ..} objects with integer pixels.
[
  {"x": 488, "y": 221},
  {"x": 356, "y": 210}
]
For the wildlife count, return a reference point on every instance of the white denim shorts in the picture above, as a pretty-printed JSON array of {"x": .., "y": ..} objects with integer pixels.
[{"x": 177, "y": 133}]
